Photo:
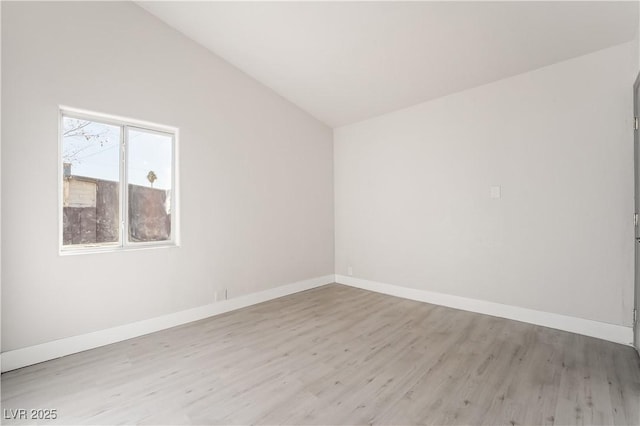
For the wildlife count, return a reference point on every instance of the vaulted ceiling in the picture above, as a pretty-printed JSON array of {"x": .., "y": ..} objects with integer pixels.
[{"x": 347, "y": 61}]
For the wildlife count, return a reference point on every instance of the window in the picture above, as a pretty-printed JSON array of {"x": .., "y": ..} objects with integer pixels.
[{"x": 118, "y": 183}]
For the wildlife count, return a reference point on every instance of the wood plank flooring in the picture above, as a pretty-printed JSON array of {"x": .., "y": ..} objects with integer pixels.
[{"x": 338, "y": 355}]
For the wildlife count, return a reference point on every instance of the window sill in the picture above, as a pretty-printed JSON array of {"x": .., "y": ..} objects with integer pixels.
[{"x": 114, "y": 249}]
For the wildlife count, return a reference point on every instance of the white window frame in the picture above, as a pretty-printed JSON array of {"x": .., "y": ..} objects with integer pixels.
[{"x": 125, "y": 124}]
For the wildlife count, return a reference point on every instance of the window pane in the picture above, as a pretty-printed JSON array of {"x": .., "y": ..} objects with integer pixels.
[
  {"x": 90, "y": 160},
  {"x": 149, "y": 183}
]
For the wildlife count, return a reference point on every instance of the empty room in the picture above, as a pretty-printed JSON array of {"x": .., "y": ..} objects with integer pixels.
[{"x": 320, "y": 213}]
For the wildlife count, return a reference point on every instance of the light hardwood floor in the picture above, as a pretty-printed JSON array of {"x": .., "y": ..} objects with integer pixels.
[{"x": 339, "y": 355}]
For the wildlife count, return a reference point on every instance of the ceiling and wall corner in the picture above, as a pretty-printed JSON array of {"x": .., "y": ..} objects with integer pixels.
[{"x": 347, "y": 61}]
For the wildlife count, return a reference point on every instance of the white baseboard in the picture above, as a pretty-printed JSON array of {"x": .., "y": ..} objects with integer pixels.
[
  {"x": 601, "y": 330},
  {"x": 23, "y": 357},
  {"x": 46, "y": 351}
]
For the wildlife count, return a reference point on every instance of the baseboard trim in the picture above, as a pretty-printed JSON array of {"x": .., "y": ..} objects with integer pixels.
[
  {"x": 23, "y": 357},
  {"x": 600, "y": 330},
  {"x": 30, "y": 355}
]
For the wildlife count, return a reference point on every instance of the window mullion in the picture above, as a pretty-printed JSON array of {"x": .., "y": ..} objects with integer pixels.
[{"x": 124, "y": 194}]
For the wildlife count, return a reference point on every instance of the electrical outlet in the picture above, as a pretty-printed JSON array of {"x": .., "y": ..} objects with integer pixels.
[
  {"x": 219, "y": 295},
  {"x": 350, "y": 270}
]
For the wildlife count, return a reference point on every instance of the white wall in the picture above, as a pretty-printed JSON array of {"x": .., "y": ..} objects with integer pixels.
[
  {"x": 412, "y": 191},
  {"x": 0, "y": 183},
  {"x": 256, "y": 172}
]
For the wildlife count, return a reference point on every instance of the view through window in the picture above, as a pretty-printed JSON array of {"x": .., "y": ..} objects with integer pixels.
[{"x": 117, "y": 183}]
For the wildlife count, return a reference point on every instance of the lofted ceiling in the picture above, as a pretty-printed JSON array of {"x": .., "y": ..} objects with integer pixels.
[{"x": 347, "y": 61}]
